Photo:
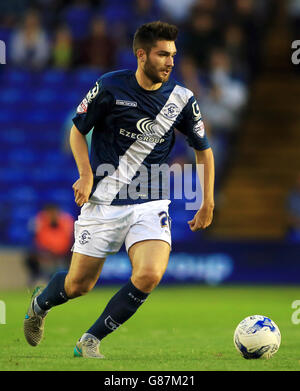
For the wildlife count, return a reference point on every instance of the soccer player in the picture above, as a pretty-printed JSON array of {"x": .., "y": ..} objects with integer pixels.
[{"x": 133, "y": 116}]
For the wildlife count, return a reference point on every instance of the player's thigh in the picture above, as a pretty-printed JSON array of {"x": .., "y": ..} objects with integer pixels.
[
  {"x": 149, "y": 260},
  {"x": 83, "y": 273}
]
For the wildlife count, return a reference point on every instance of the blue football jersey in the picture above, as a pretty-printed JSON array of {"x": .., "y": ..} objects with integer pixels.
[{"x": 133, "y": 134}]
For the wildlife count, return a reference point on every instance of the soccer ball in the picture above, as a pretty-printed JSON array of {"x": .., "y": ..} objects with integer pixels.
[{"x": 257, "y": 336}]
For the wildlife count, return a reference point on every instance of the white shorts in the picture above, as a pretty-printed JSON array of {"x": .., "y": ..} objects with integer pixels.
[{"x": 101, "y": 230}]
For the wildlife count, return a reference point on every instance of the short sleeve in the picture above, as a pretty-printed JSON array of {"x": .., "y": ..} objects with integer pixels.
[
  {"x": 94, "y": 105},
  {"x": 192, "y": 126}
]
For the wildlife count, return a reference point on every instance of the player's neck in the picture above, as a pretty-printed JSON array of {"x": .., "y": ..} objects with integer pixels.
[{"x": 145, "y": 82}]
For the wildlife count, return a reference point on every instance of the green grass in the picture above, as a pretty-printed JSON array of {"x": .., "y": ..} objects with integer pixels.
[{"x": 178, "y": 328}]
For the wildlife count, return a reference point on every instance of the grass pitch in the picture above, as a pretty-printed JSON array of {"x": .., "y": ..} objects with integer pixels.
[{"x": 178, "y": 328}]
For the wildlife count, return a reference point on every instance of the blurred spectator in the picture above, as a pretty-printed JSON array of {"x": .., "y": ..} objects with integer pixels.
[
  {"x": 191, "y": 76},
  {"x": 11, "y": 11},
  {"x": 175, "y": 11},
  {"x": 222, "y": 107},
  {"x": 200, "y": 37},
  {"x": 30, "y": 47},
  {"x": 143, "y": 11},
  {"x": 294, "y": 16},
  {"x": 99, "y": 49},
  {"x": 246, "y": 16},
  {"x": 293, "y": 213},
  {"x": 78, "y": 16},
  {"x": 53, "y": 237},
  {"x": 62, "y": 52},
  {"x": 235, "y": 46},
  {"x": 227, "y": 95}
]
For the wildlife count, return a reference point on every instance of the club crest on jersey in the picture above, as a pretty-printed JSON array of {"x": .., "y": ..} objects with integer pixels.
[{"x": 170, "y": 110}]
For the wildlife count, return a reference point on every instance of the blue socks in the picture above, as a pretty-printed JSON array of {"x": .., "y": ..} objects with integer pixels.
[
  {"x": 54, "y": 293},
  {"x": 119, "y": 309}
]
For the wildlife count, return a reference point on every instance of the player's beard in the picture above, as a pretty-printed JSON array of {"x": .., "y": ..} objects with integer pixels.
[{"x": 152, "y": 72}]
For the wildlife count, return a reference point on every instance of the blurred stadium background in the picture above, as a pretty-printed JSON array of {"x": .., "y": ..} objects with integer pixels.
[{"x": 236, "y": 57}]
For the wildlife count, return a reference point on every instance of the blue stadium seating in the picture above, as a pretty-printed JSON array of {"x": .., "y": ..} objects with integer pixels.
[
  {"x": 126, "y": 60},
  {"x": 78, "y": 20},
  {"x": 11, "y": 96},
  {"x": 86, "y": 77},
  {"x": 117, "y": 13},
  {"x": 19, "y": 234}
]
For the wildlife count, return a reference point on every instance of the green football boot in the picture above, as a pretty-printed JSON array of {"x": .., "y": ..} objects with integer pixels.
[
  {"x": 88, "y": 347},
  {"x": 33, "y": 323}
]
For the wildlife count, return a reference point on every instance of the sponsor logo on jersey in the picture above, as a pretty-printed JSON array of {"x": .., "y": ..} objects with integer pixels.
[
  {"x": 142, "y": 137},
  {"x": 196, "y": 111},
  {"x": 83, "y": 106},
  {"x": 148, "y": 129},
  {"x": 147, "y": 126},
  {"x": 93, "y": 93},
  {"x": 129, "y": 103},
  {"x": 170, "y": 110}
]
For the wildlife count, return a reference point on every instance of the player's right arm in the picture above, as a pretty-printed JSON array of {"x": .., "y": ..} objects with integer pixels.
[
  {"x": 83, "y": 186},
  {"x": 96, "y": 103}
]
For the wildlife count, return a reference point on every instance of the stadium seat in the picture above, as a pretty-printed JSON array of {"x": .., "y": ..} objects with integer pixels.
[
  {"x": 21, "y": 156},
  {"x": 86, "y": 77},
  {"x": 11, "y": 96},
  {"x": 24, "y": 212},
  {"x": 78, "y": 19},
  {"x": 18, "y": 77},
  {"x": 126, "y": 60},
  {"x": 53, "y": 77},
  {"x": 23, "y": 194},
  {"x": 12, "y": 136},
  {"x": 12, "y": 175},
  {"x": 43, "y": 115},
  {"x": 18, "y": 233},
  {"x": 45, "y": 96},
  {"x": 116, "y": 14},
  {"x": 6, "y": 116}
]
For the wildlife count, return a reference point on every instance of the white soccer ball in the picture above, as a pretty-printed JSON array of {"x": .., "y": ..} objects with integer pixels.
[{"x": 257, "y": 336}]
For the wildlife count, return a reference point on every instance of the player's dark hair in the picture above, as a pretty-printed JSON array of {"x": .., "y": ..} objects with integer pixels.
[{"x": 148, "y": 34}]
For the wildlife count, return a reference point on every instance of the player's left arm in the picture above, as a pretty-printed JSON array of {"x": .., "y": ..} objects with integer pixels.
[{"x": 206, "y": 174}]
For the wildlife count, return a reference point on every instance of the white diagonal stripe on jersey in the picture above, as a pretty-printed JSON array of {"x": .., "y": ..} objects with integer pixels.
[{"x": 129, "y": 163}]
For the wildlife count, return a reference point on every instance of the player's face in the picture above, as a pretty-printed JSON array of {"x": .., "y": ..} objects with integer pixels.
[{"x": 160, "y": 61}]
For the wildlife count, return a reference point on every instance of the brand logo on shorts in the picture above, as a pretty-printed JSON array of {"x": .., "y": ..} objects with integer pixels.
[{"x": 84, "y": 237}]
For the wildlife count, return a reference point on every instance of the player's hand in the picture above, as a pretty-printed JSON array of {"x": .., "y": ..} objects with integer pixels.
[
  {"x": 82, "y": 189},
  {"x": 202, "y": 218}
]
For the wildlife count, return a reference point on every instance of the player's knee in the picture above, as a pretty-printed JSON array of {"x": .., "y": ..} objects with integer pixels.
[{"x": 146, "y": 281}]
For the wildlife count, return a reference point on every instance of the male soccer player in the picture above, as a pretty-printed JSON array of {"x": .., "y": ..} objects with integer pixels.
[{"x": 133, "y": 116}]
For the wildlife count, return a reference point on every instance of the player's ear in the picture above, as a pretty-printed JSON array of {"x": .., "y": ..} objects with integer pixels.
[{"x": 141, "y": 55}]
